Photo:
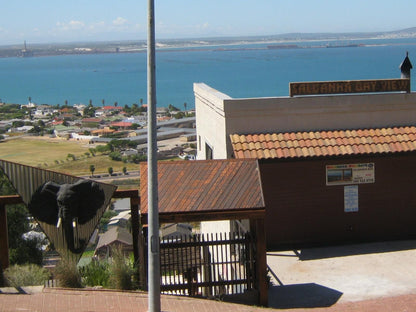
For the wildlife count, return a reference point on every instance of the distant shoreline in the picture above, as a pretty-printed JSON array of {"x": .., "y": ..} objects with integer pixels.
[{"x": 195, "y": 45}]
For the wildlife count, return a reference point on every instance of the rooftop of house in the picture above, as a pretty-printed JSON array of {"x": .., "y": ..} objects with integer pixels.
[
  {"x": 216, "y": 186},
  {"x": 115, "y": 234},
  {"x": 324, "y": 143}
]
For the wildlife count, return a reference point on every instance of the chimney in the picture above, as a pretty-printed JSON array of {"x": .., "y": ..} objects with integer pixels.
[{"x": 405, "y": 67}]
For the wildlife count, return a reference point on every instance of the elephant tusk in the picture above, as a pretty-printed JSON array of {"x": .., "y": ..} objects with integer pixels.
[{"x": 59, "y": 223}]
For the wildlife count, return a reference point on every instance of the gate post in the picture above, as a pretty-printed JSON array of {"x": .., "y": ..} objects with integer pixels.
[
  {"x": 134, "y": 212},
  {"x": 257, "y": 227},
  {"x": 4, "y": 242}
]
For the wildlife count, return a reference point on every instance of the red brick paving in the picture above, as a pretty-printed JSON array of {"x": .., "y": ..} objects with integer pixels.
[{"x": 55, "y": 299}]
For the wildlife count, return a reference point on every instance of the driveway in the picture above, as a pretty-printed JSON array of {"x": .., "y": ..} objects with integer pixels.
[{"x": 321, "y": 277}]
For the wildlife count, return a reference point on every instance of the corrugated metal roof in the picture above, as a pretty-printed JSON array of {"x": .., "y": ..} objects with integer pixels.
[
  {"x": 324, "y": 143},
  {"x": 205, "y": 185}
]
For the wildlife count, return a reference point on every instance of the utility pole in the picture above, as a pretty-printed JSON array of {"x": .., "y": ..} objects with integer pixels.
[{"x": 152, "y": 185}]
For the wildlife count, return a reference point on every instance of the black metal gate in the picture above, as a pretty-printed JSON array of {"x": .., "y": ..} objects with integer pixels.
[{"x": 210, "y": 265}]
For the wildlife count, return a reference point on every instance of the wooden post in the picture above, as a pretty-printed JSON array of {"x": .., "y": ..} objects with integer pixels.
[
  {"x": 135, "y": 228},
  {"x": 142, "y": 258},
  {"x": 4, "y": 243},
  {"x": 257, "y": 227}
]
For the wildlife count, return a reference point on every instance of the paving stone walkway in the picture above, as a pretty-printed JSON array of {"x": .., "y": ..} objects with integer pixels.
[{"x": 56, "y": 299}]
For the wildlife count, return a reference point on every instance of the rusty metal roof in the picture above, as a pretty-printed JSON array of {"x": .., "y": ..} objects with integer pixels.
[
  {"x": 205, "y": 186},
  {"x": 324, "y": 143}
]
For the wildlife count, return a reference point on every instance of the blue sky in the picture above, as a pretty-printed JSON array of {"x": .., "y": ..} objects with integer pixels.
[{"x": 89, "y": 20}]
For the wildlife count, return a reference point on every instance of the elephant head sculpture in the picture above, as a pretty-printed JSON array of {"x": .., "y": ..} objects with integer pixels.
[{"x": 67, "y": 206}]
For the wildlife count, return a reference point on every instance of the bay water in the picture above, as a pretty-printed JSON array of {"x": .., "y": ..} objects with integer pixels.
[{"x": 242, "y": 71}]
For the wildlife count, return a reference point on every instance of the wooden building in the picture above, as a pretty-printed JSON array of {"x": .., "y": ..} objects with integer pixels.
[{"x": 327, "y": 187}]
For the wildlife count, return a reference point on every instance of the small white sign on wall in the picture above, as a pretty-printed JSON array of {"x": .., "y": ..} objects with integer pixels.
[
  {"x": 351, "y": 198},
  {"x": 350, "y": 174}
]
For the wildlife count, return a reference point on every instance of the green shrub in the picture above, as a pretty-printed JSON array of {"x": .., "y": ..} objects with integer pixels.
[
  {"x": 121, "y": 271},
  {"x": 26, "y": 275},
  {"x": 67, "y": 274},
  {"x": 96, "y": 273}
]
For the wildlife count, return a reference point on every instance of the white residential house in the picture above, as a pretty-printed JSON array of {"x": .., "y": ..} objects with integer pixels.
[{"x": 42, "y": 111}]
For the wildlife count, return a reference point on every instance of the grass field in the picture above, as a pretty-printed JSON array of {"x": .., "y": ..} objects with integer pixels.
[{"x": 47, "y": 153}]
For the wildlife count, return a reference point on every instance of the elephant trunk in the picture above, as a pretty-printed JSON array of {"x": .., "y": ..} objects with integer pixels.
[{"x": 71, "y": 235}]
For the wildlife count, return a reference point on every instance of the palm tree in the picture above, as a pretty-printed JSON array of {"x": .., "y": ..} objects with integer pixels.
[{"x": 184, "y": 105}]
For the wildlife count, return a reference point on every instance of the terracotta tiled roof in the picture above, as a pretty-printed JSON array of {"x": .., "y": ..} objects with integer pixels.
[
  {"x": 121, "y": 124},
  {"x": 324, "y": 143},
  {"x": 205, "y": 186}
]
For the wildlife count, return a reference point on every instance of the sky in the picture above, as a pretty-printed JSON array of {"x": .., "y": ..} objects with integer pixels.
[{"x": 48, "y": 21}]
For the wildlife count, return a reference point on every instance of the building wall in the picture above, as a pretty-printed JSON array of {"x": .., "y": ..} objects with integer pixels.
[
  {"x": 301, "y": 208},
  {"x": 210, "y": 121},
  {"x": 218, "y": 115}
]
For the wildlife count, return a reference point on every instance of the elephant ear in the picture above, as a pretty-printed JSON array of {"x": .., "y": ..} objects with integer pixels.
[
  {"x": 92, "y": 198},
  {"x": 43, "y": 205}
]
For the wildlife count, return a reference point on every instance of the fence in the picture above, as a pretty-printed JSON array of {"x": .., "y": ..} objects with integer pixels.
[{"x": 208, "y": 265}]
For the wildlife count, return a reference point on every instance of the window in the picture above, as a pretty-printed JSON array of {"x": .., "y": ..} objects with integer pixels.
[{"x": 208, "y": 152}]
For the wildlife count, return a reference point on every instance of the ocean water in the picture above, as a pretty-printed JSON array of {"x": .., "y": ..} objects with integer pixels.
[{"x": 239, "y": 71}]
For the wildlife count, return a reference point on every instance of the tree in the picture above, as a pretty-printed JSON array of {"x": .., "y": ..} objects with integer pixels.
[
  {"x": 41, "y": 123},
  {"x": 115, "y": 156},
  {"x": 184, "y": 105},
  {"x": 89, "y": 111},
  {"x": 92, "y": 169},
  {"x": 179, "y": 115},
  {"x": 18, "y": 123},
  {"x": 20, "y": 250},
  {"x": 124, "y": 170},
  {"x": 105, "y": 219},
  {"x": 173, "y": 108},
  {"x": 110, "y": 171},
  {"x": 102, "y": 101}
]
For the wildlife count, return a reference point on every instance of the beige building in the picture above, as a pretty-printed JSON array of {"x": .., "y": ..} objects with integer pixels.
[{"x": 218, "y": 115}]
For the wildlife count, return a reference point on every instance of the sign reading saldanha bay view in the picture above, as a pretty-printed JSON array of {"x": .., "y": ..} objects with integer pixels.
[{"x": 349, "y": 86}]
